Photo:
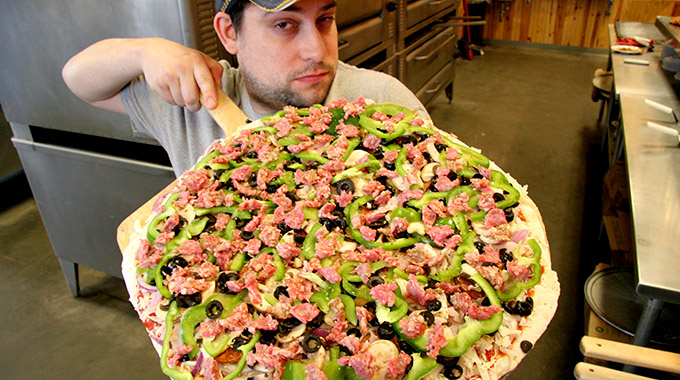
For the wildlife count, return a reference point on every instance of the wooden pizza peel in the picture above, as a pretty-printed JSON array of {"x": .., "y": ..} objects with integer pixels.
[{"x": 229, "y": 117}]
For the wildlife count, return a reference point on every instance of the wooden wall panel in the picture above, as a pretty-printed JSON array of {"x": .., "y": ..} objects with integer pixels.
[{"x": 568, "y": 22}]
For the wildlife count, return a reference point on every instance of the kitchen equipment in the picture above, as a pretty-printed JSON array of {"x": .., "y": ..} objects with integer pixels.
[{"x": 86, "y": 167}]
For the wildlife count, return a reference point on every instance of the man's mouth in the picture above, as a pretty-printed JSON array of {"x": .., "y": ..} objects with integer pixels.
[{"x": 311, "y": 78}]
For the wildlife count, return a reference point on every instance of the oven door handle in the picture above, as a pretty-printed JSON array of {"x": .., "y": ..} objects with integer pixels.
[
  {"x": 427, "y": 57},
  {"x": 343, "y": 44},
  {"x": 436, "y": 89}
]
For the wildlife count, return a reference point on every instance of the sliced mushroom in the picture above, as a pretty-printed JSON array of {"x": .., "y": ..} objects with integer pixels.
[
  {"x": 416, "y": 227},
  {"x": 295, "y": 333},
  {"x": 382, "y": 351},
  {"x": 429, "y": 171},
  {"x": 355, "y": 157}
]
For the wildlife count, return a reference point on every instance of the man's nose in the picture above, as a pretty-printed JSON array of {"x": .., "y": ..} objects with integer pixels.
[{"x": 313, "y": 47}]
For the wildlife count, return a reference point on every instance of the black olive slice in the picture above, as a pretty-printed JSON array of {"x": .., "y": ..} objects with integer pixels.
[
  {"x": 247, "y": 235},
  {"x": 252, "y": 155},
  {"x": 280, "y": 291},
  {"x": 390, "y": 166},
  {"x": 288, "y": 324},
  {"x": 497, "y": 197},
  {"x": 377, "y": 153},
  {"x": 345, "y": 185},
  {"x": 213, "y": 309},
  {"x": 283, "y": 227},
  {"x": 453, "y": 372},
  {"x": 480, "y": 246},
  {"x": 505, "y": 256},
  {"x": 300, "y": 236},
  {"x": 440, "y": 147},
  {"x": 375, "y": 281},
  {"x": 382, "y": 222},
  {"x": 252, "y": 180},
  {"x": 354, "y": 331},
  {"x": 311, "y": 343},
  {"x": 434, "y": 305},
  {"x": 188, "y": 300},
  {"x": 238, "y": 342},
  {"x": 447, "y": 360},
  {"x": 526, "y": 346},
  {"x": 386, "y": 331},
  {"x": 267, "y": 336},
  {"x": 509, "y": 214},
  {"x": 240, "y": 223},
  {"x": 316, "y": 322},
  {"x": 327, "y": 222},
  {"x": 223, "y": 279},
  {"x": 407, "y": 348},
  {"x": 429, "y": 317}
]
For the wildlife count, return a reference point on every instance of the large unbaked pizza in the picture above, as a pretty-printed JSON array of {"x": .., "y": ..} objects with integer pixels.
[{"x": 353, "y": 240}]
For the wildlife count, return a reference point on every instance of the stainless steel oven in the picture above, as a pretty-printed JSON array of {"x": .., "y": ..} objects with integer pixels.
[{"x": 86, "y": 168}]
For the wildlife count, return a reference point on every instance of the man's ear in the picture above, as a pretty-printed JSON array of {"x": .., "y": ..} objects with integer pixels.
[{"x": 226, "y": 32}]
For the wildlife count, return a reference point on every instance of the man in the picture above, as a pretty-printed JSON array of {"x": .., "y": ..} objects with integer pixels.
[{"x": 287, "y": 53}]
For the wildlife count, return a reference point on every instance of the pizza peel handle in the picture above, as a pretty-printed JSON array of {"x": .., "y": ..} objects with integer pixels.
[
  {"x": 227, "y": 114},
  {"x": 229, "y": 117}
]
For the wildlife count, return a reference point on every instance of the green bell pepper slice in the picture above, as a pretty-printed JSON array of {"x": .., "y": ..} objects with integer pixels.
[
  {"x": 293, "y": 370},
  {"x": 353, "y": 143},
  {"x": 471, "y": 331},
  {"x": 323, "y": 296},
  {"x": 399, "y": 162},
  {"x": 267, "y": 129},
  {"x": 350, "y": 308},
  {"x": 158, "y": 276},
  {"x": 245, "y": 349},
  {"x": 175, "y": 374},
  {"x": 536, "y": 270},
  {"x": 312, "y": 156},
  {"x": 196, "y": 314},
  {"x": 426, "y": 198},
  {"x": 469, "y": 190},
  {"x": 375, "y": 127},
  {"x": 391, "y": 314},
  {"x": 309, "y": 244},
  {"x": 372, "y": 165},
  {"x": 352, "y": 209},
  {"x": 331, "y": 368},
  {"x": 421, "y": 366},
  {"x": 152, "y": 231},
  {"x": 206, "y": 160},
  {"x": 409, "y": 214},
  {"x": 403, "y": 275},
  {"x": 360, "y": 292}
]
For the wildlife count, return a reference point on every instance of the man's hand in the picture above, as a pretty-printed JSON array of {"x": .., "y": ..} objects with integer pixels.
[
  {"x": 180, "y": 74},
  {"x": 177, "y": 73}
]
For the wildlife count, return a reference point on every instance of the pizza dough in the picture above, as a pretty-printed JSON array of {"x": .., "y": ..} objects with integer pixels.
[{"x": 353, "y": 240}]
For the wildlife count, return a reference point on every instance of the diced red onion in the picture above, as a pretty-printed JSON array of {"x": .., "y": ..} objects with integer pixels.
[
  {"x": 519, "y": 235},
  {"x": 199, "y": 363},
  {"x": 156, "y": 339},
  {"x": 321, "y": 332},
  {"x": 142, "y": 284}
]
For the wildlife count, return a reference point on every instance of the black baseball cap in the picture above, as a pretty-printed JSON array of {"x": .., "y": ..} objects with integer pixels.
[{"x": 267, "y": 5}]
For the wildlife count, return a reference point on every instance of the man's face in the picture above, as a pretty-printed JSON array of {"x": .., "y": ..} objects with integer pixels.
[{"x": 288, "y": 57}]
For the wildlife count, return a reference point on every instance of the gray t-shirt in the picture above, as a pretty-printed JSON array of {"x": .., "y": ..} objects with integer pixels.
[{"x": 185, "y": 135}]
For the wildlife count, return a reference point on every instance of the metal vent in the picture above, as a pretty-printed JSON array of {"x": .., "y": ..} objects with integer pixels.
[{"x": 208, "y": 41}]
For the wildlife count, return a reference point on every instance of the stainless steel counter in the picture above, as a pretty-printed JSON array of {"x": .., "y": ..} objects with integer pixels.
[
  {"x": 638, "y": 79},
  {"x": 653, "y": 163},
  {"x": 653, "y": 168}
]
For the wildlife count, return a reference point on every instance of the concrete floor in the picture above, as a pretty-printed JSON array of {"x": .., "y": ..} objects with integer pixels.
[{"x": 527, "y": 109}]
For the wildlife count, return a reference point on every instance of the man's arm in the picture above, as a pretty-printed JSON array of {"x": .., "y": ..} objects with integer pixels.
[{"x": 177, "y": 73}]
